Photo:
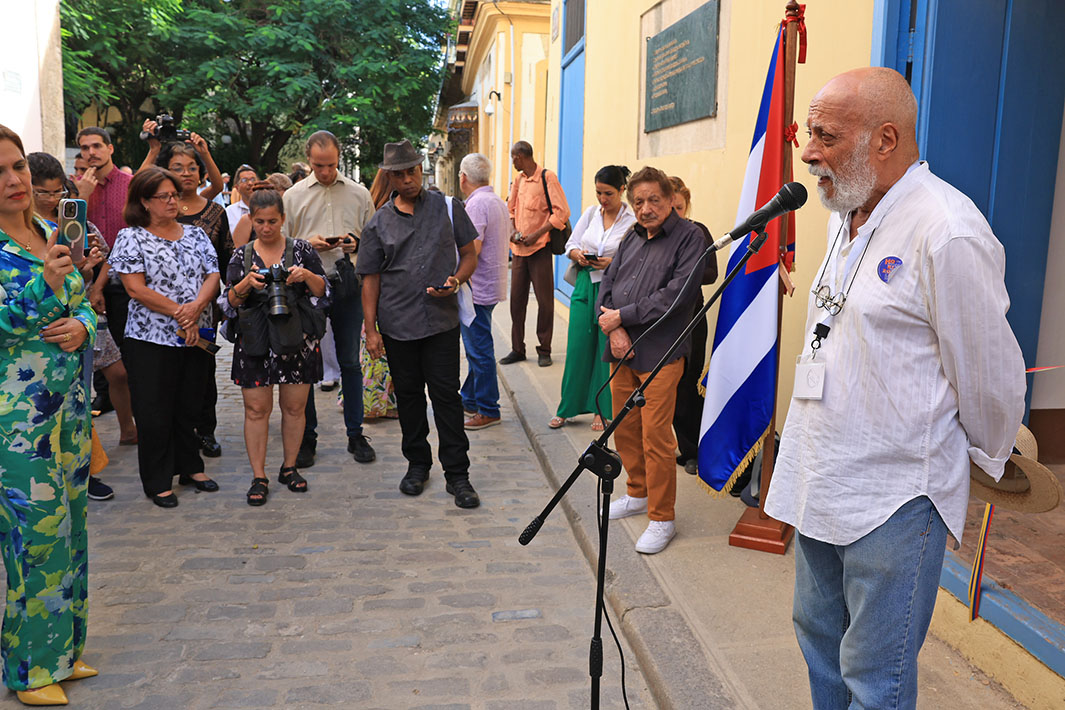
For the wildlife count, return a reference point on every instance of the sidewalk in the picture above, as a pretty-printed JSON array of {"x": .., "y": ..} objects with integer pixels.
[{"x": 711, "y": 624}]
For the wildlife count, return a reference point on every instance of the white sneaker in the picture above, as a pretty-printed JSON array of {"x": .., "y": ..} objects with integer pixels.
[
  {"x": 656, "y": 536},
  {"x": 625, "y": 506}
]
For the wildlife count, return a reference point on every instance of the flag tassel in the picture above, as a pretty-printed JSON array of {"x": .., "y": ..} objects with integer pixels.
[{"x": 726, "y": 489}]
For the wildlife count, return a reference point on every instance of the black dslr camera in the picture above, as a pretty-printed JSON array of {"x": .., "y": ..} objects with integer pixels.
[
  {"x": 166, "y": 131},
  {"x": 276, "y": 293}
]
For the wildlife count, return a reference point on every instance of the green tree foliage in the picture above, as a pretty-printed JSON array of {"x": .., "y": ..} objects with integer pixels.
[
  {"x": 266, "y": 71},
  {"x": 112, "y": 56}
]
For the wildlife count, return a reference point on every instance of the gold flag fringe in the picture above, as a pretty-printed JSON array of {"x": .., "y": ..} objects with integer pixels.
[
  {"x": 727, "y": 488},
  {"x": 699, "y": 384}
]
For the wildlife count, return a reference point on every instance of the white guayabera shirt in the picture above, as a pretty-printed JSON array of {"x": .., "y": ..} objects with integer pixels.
[{"x": 922, "y": 370}]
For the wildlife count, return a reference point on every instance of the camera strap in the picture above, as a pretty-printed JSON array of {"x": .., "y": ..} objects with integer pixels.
[{"x": 287, "y": 260}]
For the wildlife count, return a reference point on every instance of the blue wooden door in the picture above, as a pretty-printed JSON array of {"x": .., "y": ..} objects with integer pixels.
[
  {"x": 571, "y": 127},
  {"x": 988, "y": 79}
]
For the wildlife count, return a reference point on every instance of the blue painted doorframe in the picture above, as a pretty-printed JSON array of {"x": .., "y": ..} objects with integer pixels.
[
  {"x": 990, "y": 89},
  {"x": 570, "y": 144}
]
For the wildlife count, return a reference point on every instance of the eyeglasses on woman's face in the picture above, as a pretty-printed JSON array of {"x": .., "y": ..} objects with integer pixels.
[
  {"x": 165, "y": 197},
  {"x": 50, "y": 194}
]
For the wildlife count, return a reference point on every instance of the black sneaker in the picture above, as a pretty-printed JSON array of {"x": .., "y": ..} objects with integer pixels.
[
  {"x": 361, "y": 449},
  {"x": 465, "y": 496},
  {"x": 98, "y": 490},
  {"x": 512, "y": 357},
  {"x": 305, "y": 458}
]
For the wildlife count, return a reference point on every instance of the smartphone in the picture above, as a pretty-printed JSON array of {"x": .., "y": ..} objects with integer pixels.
[
  {"x": 332, "y": 240},
  {"x": 73, "y": 227},
  {"x": 445, "y": 287},
  {"x": 591, "y": 257}
]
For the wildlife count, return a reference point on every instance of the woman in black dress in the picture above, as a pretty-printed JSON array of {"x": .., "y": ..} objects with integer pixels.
[{"x": 293, "y": 374}]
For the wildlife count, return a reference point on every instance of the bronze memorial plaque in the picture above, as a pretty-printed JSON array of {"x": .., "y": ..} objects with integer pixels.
[{"x": 682, "y": 70}]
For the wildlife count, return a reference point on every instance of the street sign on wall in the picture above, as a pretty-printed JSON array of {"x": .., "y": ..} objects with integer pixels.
[{"x": 681, "y": 80}]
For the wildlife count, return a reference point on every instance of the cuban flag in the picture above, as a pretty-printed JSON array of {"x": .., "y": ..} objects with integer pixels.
[{"x": 741, "y": 379}]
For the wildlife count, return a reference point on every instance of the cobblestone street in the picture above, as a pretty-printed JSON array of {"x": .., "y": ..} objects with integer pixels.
[{"x": 350, "y": 596}]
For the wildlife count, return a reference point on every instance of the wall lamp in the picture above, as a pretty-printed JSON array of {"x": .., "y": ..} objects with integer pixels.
[{"x": 490, "y": 107}]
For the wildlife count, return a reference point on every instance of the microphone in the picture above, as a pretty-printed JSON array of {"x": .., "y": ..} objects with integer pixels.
[{"x": 790, "y": 198}]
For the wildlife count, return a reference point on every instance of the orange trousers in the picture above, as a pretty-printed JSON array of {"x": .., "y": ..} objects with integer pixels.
[{"x": 645, "y": 437}]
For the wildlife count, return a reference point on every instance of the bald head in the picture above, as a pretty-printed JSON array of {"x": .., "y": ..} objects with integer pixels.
[
  {"x": 863, "y": 136},
  {"x": 877, "y": 95}
]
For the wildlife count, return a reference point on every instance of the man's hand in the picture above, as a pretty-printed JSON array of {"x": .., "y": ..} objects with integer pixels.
[
  {"x": 610, "y": 319},
  {"x": 320, "y": 244},
  {"x": 620, "y": 342},
  {"x": 87, "y": 184},
  {"x": 452, "y": 285},
  {"x": 67, "y": 333},
  {"x": 374, "y": 344},
  {"x": 349, "y": 243}
]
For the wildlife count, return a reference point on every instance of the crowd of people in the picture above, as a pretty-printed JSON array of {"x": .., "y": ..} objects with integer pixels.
[{"x": 326, "y": 280}]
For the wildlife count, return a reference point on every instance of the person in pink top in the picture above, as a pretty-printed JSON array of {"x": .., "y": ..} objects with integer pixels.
[{"x": 104, "y": 187}]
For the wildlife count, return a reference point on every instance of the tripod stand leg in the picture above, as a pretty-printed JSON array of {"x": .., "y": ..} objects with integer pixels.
[{"x": 595, "y": 652}]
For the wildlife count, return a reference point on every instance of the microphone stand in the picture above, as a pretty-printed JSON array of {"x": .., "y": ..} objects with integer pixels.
[{"x": 606, "y": 464}]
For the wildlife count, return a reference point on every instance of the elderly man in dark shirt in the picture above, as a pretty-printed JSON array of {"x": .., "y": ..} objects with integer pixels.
[
  {"x": 647, "y": 275},
  {"x": 410, "y": 276}
]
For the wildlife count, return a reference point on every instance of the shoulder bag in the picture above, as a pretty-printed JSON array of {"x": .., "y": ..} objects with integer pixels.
[{"x": 559, "y": 237}]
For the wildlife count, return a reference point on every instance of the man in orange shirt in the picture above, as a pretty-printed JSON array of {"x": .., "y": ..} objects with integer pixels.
[{"x": 533, "y": 221}]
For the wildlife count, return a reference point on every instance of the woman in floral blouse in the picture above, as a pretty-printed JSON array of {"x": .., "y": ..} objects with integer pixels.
[
  {"x": 170, "y": 271},
  {"x": 45, "y": 323}
]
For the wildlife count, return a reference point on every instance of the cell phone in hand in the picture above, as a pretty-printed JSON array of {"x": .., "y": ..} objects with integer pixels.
[
  {"x": 445, "y": 287},
  {"x": 73, "y": 227},
  {"x": 333, "y": 241},
  {"x": 591, "y": 257}
]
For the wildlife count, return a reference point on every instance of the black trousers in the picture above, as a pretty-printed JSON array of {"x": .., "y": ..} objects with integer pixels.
[
  {"x": 207, "y": 420},
  {"x": 689, "y": 410},
  {"x": 431, "y": 362},
  {"x": 166, "y": 388},
  {"x": 116, "y": 301}
]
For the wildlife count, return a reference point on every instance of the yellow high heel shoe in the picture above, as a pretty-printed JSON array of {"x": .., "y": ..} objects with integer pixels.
[
  {"x": 82, "y": 670},
  {"x": 48, "y": 695}
]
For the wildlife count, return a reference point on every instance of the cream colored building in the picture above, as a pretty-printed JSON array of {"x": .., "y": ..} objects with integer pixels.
[
  {"x": 498, "y": 87},
  {"x": 31, "y": 76}
]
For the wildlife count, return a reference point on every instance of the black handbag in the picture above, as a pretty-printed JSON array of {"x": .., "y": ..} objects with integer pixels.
[
  {"x": 345, "y": 283},
  {"x": 559, "y": 237}
]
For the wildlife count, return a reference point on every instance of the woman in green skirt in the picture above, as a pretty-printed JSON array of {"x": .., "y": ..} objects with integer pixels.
[{"x": 592, "y": 246}]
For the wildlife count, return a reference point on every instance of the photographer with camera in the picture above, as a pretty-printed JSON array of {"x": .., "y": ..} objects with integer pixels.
[
  {"x": 277, "y": 290},
  {"x": 171, "y": 273}
]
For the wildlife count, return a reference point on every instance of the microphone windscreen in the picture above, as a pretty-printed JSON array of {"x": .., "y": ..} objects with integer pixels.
[{"x": 793, "y": 195}]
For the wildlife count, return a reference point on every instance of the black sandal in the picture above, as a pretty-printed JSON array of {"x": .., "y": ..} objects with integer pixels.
[
  {"x": 259, "y": 487},
  {"x": 290, "y": 477}
]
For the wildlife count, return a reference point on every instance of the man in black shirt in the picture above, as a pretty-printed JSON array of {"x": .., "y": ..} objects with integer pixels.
[
  {"x": 410, "y": 276},
  {"x": 639, "y": 287}
]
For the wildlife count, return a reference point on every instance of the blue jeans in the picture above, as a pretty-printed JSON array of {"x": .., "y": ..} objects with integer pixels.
[
  {"x": 480, "y": 391},
  {"x": 862, "y": 610},
  {"x": 346, "y": 317}
]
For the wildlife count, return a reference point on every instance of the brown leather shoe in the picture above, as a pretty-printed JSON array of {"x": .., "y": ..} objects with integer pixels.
[{"x": 480, "y": 421}]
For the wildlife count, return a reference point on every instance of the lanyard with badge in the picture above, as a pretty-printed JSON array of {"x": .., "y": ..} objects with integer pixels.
[{"x": 810, "y": 374}]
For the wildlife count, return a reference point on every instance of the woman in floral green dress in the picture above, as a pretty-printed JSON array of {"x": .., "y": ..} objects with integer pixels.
[{"x": 45, "y": 323}]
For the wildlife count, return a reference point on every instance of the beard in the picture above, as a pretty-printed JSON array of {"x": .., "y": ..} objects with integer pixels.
[{"x": 852, "y": 184}]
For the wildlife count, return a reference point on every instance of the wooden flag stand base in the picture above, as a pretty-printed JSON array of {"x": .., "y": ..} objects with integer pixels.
[{"x": 757, "y": 531}]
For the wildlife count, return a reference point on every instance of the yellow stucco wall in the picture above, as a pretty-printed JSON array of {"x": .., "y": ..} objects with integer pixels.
[
  {"x": 521, "y": 113},
  {"x": 839, "y": 39}
]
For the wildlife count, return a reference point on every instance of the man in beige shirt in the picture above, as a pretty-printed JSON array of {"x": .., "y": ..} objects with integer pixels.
[{"x": 326, "y": 208}]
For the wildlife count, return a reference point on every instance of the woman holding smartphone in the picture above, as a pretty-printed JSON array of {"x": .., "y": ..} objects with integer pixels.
[
  {"x": 46, "y": 323},
  {"x": 293, "y": 373},
  {"x": 591, "y": 247}
]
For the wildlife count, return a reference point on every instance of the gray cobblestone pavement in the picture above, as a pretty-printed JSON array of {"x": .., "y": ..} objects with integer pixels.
[{"x": 350, "y": 596}]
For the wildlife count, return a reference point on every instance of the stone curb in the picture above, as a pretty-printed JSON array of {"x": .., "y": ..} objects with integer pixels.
[{"x": 654, "y": 627}]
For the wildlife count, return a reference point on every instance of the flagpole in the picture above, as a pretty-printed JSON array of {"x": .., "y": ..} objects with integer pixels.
[{"x": 755, "y": 530}]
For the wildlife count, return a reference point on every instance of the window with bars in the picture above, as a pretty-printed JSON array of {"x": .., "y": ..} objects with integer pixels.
[{"x": 574, "y": 22}]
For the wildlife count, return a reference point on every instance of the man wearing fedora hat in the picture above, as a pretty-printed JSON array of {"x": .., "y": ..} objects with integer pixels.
[
  {"x": 409, "y": 279},
  {"x": 910, "y": 369}
]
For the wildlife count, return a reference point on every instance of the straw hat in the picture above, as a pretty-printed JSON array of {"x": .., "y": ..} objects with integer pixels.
[{"x": 1026, "y": 486}]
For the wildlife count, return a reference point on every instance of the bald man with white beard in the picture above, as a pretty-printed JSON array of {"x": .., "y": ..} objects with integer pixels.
[{"x": 909, "y": 370}]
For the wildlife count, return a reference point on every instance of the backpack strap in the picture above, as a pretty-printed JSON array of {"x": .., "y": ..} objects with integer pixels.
[{"x": 543, "y": 178}]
